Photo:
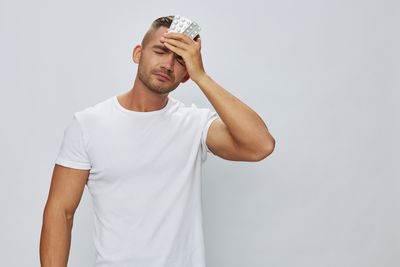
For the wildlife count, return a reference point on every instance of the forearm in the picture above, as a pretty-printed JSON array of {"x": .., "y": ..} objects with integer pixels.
[
  {"x": 55, "y": 238},
  {"x": 243, "y": 123},
  {"x": 246, "y": 127}
]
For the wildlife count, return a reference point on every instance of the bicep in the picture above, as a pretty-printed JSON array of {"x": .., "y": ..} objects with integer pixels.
[
  {"x": 221, "y": 143},
  {"x": 66, "y": 188}
]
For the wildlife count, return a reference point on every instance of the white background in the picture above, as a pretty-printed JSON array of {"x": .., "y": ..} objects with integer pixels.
[{"x": 323, "y": 75}]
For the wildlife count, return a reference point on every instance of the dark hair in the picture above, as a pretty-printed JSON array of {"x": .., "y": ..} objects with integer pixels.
[{"x": 160, "y": 22}]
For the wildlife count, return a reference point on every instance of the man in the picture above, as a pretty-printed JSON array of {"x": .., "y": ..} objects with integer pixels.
[{"x": 140, "y": 155}]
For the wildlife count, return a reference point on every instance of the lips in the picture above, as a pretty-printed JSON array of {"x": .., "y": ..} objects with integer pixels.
[{"x": 163, "y": 76}]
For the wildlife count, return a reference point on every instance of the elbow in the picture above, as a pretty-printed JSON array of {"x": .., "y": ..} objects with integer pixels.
[
  {"x": 267, "y": 149},
  {"x": 52, "y": 212}
]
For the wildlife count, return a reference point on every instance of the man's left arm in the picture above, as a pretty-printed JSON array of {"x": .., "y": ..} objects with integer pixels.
[
  {"x": 239, "y": 134},
  {"x": 239, "y": 125}
]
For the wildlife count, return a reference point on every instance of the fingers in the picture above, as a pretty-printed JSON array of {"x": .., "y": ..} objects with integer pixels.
[
  {"x": 179, "y": 36},
  {"x": 183, "y": 38},
  {"x": 177, "y": 50},
  {"x": 181, "y": 44},
  {"x": 174, "y": 38},
  {"x": 175, "y": 43}
]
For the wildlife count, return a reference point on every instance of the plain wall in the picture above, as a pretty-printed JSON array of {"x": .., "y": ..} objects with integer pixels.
[{"x": 323, "y": 75}]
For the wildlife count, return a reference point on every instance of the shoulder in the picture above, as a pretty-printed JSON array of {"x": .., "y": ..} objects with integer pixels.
[
  {"x": 94, "y": 113},
  {"x": 189, "y": 109}
]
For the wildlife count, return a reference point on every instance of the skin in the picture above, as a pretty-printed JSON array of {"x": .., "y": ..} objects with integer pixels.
[
  {"x": 150, "y": 90},
  {"x": 66, "y": 189},
  {"x": 239, "y": 134}
]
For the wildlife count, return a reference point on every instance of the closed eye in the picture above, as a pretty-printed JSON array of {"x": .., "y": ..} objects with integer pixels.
[
  {"x": 158, "y": 49},
  {"x": 159, "y": 52},
  {"x": 180, "y": 60}
]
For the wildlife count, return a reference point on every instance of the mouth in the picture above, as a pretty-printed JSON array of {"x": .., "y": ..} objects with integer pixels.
[{"x": 162, "y": 76}]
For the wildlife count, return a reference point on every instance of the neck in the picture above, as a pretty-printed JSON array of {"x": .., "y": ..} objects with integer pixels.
[{"x": 142, "y": 99}]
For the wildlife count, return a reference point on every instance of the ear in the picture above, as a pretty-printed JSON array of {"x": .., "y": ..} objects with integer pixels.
[
  {"x": 137, "y": 51},
  {"x": 187, "y": 77}
]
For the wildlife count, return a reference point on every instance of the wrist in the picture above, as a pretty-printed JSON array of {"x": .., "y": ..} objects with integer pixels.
[{"x": 200, "y": 78}]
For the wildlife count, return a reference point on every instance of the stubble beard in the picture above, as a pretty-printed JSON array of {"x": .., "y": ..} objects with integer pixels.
[{"x": 146, "y": 78}]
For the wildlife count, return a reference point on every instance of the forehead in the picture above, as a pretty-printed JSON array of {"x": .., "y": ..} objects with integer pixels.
[{"x": 157, "y": 34}]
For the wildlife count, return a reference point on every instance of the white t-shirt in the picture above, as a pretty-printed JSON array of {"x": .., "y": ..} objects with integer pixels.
[{"x": 145, "y": 181}]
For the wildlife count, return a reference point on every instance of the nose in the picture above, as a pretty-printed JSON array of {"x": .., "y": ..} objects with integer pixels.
[{"x": 169, "y": 62}]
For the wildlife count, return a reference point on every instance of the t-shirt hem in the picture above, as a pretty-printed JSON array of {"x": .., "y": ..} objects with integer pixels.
[
  {"x": 74, "y": 165},
  {"x": 206, "y": 133}
]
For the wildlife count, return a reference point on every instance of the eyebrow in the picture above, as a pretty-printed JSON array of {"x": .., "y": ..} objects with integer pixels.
[{"x": 160, "y": 47}]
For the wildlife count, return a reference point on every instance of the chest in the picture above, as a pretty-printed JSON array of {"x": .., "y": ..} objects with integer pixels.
[{"x": 129, "y": 149}]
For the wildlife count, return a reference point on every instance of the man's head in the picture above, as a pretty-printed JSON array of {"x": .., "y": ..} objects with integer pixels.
[
  {"x": 160, "y": 22},
  {"x": 160, "y": 70}
]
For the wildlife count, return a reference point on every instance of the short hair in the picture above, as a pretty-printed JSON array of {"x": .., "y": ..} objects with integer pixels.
[{"x": 160, "y": 22}]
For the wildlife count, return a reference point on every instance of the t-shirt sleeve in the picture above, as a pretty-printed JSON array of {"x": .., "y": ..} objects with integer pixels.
[
  {"x": 210, "y": 117},
  {"x": 73, "y": 152}
]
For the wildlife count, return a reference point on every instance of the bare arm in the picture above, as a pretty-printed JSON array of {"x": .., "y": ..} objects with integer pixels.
[
  {"x": 65, "y": 193},
  {"x": 239, "y": 133}
]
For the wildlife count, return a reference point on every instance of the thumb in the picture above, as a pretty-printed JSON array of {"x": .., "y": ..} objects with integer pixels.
[{"x": 199, "y": 41}]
